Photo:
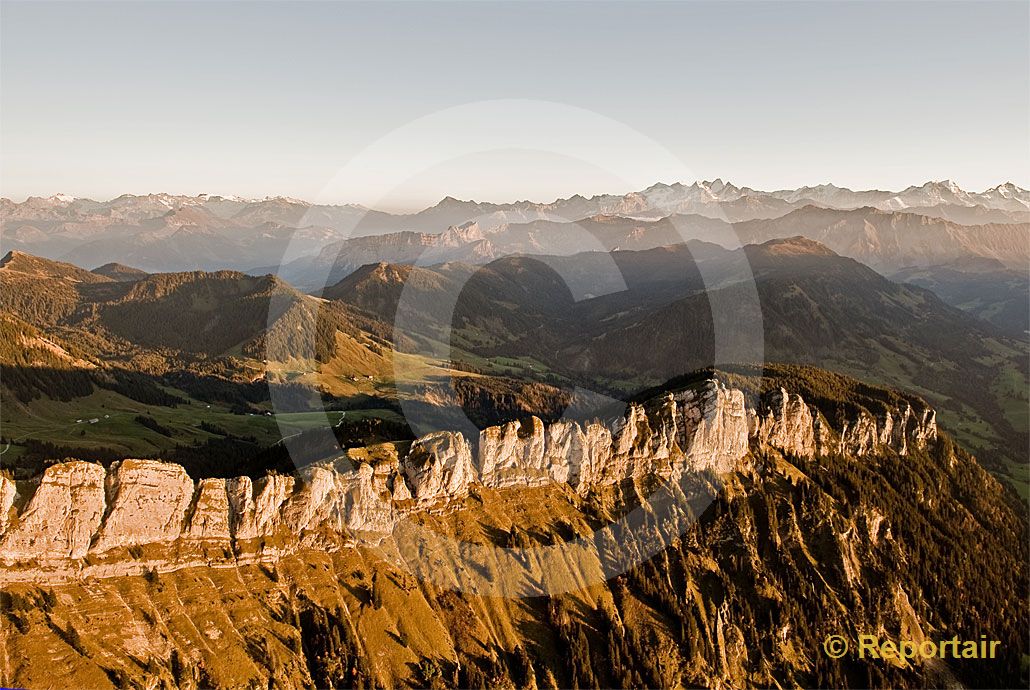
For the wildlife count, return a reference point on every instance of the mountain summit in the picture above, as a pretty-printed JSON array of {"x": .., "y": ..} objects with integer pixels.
[
  {"x": 164, "y": 232},
  {"x": 797, "y": 246}
]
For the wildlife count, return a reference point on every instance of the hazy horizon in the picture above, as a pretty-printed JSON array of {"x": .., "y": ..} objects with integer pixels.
[
  {"x": 274, "y": 99},
  {"x": 588, "y": 194}
]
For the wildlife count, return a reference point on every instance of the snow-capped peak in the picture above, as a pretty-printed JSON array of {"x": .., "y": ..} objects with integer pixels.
[
  {"x": 1007, "y": 190},
  {"x": 945, "y": 184}
]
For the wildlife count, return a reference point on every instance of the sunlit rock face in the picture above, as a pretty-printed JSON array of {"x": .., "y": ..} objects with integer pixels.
[
  {"x": 717, "y": 428},
  {"x": 438, "y": 468},
  {"x": 209, "y": 519},
  {"x": 79, "y": 518},
  {"x": 60, "y": 519},
  {"x": 255, "y": 508},
  {"x": 147, "y": 503},
  {"x": 513, "y": 455},
  {"x": 787, "y": 425},
  {"x": 896, "y": 429}
]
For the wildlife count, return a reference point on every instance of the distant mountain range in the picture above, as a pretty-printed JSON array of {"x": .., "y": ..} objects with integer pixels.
[
  {"x": 562, "y": 317},
  {"x": 887, "y": 241},
  {"x": 835, "y": 487},
  {"x": 558, "y": 322},
  {"x": 162, "y": 232}
]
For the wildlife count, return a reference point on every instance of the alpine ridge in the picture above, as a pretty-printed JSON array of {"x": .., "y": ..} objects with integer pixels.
[
  {"x": 81, "y": 520},
  {"x": 165, "y": 232}
]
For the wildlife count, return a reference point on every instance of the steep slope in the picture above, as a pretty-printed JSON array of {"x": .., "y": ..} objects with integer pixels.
[
  {"x": 1005, "y": 197},
  {"x": 172, "y": 244},
  {"x": 79, "y": 342},
  {"x": 652, "y": 320},
  {"x": 884, "y": 240},
  {"x": 972, "y": 215},
  {"x": 889, "y": 241},
  {"x": 42, "y": 291},
  {"x": 985, "y": 289},
  {"x": 813, "y": 304},
  {"x": 500, "y": 300},
  {"x": 339, "y": 259},
  {"x": 204, "y": 313},
  {"x": 810, "y": 528},
  {"x": 26, "y": 264},
  {"x": 137, "y": 349},
  {"x": 23, "y": 346},
  {"x": 189, "y": 316},
  {"x": 477, "y": 244},
  {"x": 833, "y": 312}
]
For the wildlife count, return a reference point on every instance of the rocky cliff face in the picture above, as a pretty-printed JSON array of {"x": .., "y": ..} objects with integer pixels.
[
  {"x": 79, "y": 519},
  {"x": 820, "y": 527}
]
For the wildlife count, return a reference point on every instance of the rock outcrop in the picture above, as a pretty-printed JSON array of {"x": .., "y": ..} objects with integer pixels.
[
  {"x": 61, "y": 517},
  {"x": 254, "y": 509},
  {"x": 438, "y": 468},
  {"x": 80, "y": 519},
  {"x": 895, "y": 430},
  {"x": 209, "y": 519},
  {"x": 787, "y": 425},
  {"x": 147, "y": 503}
]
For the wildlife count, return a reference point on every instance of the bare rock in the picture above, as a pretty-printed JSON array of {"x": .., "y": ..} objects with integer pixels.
[
  {"x": 78, "y": 510},
  {"x": 209, "y": 517},
  {"x": 513, "y": 455},
  {"x": 715, "y": 429},
  {"x": 788, "y": 426},
  {"x": 925, "y": 428},
  {"x": 148, "y": 500},
  {"x": 62, "y": 516},
  {"x": 8, "y": 492},
  {"x": 315, "y": 501},
  {"x": 255, "y": 508},
  {"x": 439, "y": 467},
  {"x": 859, "y": 437}
]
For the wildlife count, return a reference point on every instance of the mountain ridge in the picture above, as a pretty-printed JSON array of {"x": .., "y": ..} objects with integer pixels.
[
  {"x": 559, "y": 322},
  {"x": 716, "y": 188},
  {"x": 699, "y": 427},
  {"x": 550, "y": 584},
  {"x": 162, "y": 232}
]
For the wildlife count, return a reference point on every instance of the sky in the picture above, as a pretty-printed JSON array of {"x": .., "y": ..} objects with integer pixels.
[{"x": 397, "y": 105}]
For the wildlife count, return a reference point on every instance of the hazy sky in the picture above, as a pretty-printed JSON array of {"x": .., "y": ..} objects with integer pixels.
[{"x": 266, "y": 98}]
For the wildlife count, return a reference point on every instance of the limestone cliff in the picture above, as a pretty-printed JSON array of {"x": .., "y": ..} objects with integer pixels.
[
  {"x": 303, "y": 581},
  {"x": 79, "y": 519}
]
